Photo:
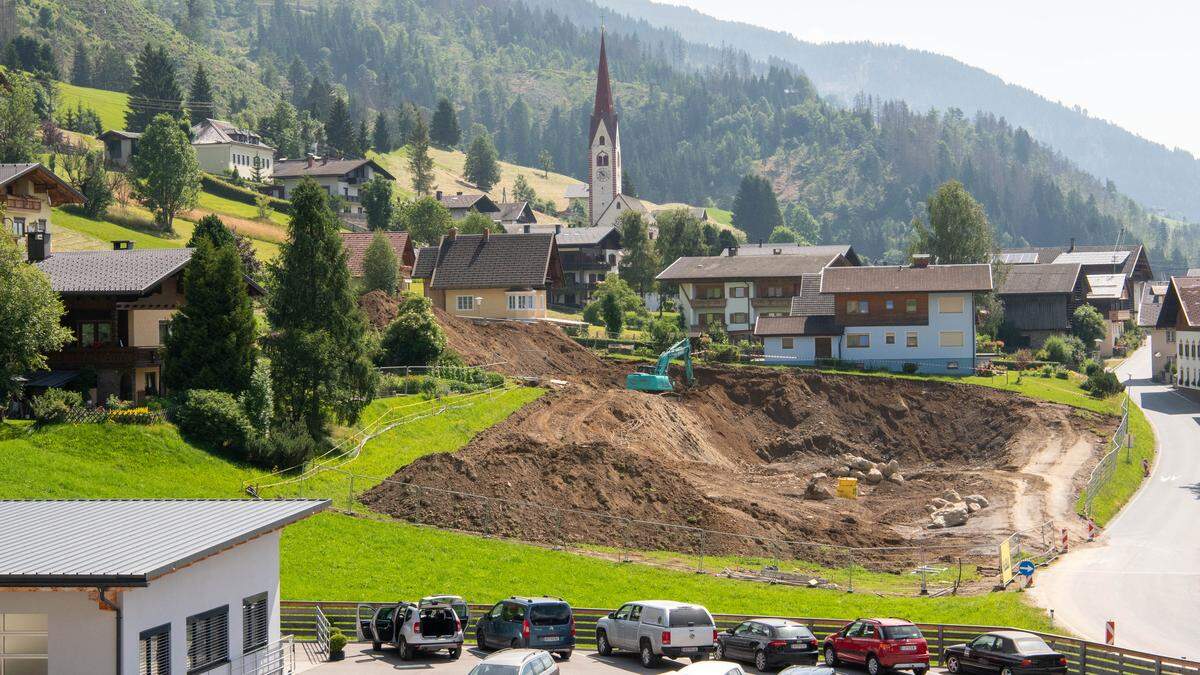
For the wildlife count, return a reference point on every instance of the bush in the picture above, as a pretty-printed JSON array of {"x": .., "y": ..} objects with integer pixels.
[
  {"x": 55, "y": 405},
  {"x": 337, "y": 640},
  {"x": 258, "y": 400},
  {"x": 909, "y": 368},
  {"x": 223, "y": 188},
  {"x": 288, "y": 446},
  {"x": 1088, "y": 324},
  {"x": 1021, "y": 359},
  {"x": 1090, "y": 367},
  {"x": 414, "y": 338},
  {"x": 1103, "y": 384},
  {"x": 431, "y": 387},
  {"x": 722, "y": 352},
  {"x": 663, "y": 334},
  {"x": 1067, "y": 350},
  {"x": 591, "y": 314},
  {"x": 1060, "y": 374},
  {"x": 213, "y": 418}
]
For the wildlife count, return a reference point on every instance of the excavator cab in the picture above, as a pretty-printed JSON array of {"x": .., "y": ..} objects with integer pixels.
[{"x": 654, "y": 378}]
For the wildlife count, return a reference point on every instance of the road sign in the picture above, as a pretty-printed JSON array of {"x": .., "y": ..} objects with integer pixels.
[
  {"x": 1026, "y": 567},
  {"x": 1110, "y": 632},
  {"x": 1006, "y": 571}
]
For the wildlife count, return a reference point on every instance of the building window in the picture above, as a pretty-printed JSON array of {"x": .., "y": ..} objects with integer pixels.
[
  {"x": 910, "y": 305},
  {"x": 737, "y": 291},
  {"x": 18, "y": 227},
  {"x": 151, "y": 384},
  {"x": 1170, "y": 335},
  {"x": 601, "y": 140},
  {"x": 889, "y": 338},
  {"x": 858, "y": 340},
  {"x": 712, "y": 293},
  {"x": 889, "y": 305},
  {"x": 738, "y": 317},
  {"x": 208, "y": 639},
  {"x": 950, "y": 305},
  {"x": 857, "y": 306},
  {"x": 164, "y": 332},
  {"x": 94, "y": 333},
  {"x": 254, "y": 622},
  {"x": 23, "y": 644},
  {"x": 950, "y": 338},
  {"x": 602, "y": 159},
  {"x": 910, "y": 340},
  {"x": 521, "y": 302},
  {"x": 154, "y": 651},
  {"x": 464, "y": 303},
  {"x": 789, "y": 343}
]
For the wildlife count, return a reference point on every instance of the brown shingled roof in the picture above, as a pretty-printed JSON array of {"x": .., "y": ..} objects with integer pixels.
[
  {"x": 494, "y": 261},
  {"x": 357, "y": 243},
  {"x": 1040, "y": 279},
  {"x": 296, "y": 168},
  {"x": 891, "y": 279}
]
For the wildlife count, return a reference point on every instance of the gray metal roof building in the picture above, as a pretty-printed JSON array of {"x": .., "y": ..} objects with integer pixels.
[
  {"x": 128, "y": 542},
  {"x": 123, "y": 272}
]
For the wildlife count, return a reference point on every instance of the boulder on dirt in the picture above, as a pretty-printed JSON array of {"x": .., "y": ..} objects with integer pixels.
[
  {"x": 816, "y": 489},
  {"x": 978, "y": 500},
  {"x": 896, "y": 477},
  {"x": 839, "y": 472},
  {"x": 874, "y": 477},
  {"x": 939, "y": 503},
  {"x": 862, "y": 464},
  {"x": 858, "y": 475},
  {"x": 950, "y": 516},
  {"x": 972, "y": 507},
  {"x": 890, "y": 469},
  {"x": 952, "y": 496}
]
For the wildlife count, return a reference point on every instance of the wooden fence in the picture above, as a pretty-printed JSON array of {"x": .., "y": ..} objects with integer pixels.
[{"x": 1086, "y": 658}]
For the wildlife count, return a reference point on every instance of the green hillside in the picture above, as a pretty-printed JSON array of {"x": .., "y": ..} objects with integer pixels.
[{"x": 110, "y": 105}]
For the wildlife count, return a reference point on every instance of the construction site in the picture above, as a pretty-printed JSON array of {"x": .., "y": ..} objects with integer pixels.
[{"x": 745, "y": 460}]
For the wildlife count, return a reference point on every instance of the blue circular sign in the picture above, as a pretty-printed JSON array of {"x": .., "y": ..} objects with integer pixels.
[{"x": 1026, "y": 567}]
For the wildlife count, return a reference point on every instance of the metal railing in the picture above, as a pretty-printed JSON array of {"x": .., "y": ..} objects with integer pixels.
[
  {"x": 321, "y": 629},
  {"x": 1107, "y": 466},
  {"x": 276, "y": 658},
  {"x": 1084, "y": 657}
]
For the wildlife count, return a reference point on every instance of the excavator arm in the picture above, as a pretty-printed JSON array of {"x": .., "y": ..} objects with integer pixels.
[{"x": 658, "y": 380}]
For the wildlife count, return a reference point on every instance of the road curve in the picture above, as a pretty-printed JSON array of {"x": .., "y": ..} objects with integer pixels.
[{"x": 1144, "y": 570}]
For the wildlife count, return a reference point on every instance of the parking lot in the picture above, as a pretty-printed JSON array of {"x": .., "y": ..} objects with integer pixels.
[{"x": 361, "y": 659}]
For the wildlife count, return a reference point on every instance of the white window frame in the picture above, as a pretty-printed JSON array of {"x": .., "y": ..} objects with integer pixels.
[
  {"x": 915, "y": 339},
  {"x": 866, "y": 337},
  {"x": 737, "y": 291},
  {"x": 943, "y": 335},
  {"x": 889, "y": 338},
  {"x": 464, "y": 303},
  {"x": 522, "y": 302}
]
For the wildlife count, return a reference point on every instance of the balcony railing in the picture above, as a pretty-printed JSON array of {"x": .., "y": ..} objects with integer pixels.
[
  {"x": 707, "y": 302},
  {"x": 104, "y": 356},
  {"x": 771, "y": 303},
  {"x": 23, "y": 203},
  {"x": 277, "y": 658}
]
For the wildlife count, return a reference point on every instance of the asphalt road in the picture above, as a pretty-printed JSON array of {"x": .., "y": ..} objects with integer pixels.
[
  {"x": 1144, "y": 570},
  {"x": 361, "y": 660}
]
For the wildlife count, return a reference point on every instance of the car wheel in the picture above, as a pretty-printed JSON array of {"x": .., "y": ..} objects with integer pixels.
[
  {"x": 873, "y": 666},
  {"x": 375, "y": 646},
  {"x": 479, "y": 640},
  {"x": 760, "y": 660},
  {"x": 602, "y": 646},
  {"x": 403, "y": 650},
  {"x": 1006, "y": 671},
  {"x": 455, "y": 653},
  {"x": 831, "y": 658},
  {"x": 565, "y": 656},
  {"x": 952, "y": 664},
  {"x": 719, "y": 652},
  {"x": 649, "y": 658}
]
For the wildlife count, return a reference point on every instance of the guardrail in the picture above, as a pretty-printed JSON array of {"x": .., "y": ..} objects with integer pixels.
[
  {"x": 321, "y": 629},
  {"x": 1085, "y": 658}
]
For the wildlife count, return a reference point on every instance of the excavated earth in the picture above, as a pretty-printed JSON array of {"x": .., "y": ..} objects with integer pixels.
[{"x": 734, "y": 452}]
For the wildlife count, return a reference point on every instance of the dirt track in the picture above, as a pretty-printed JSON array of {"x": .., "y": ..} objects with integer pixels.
[{"x": 733, "y": 453}]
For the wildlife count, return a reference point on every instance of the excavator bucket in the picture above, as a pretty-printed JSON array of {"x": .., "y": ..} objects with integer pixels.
[{"x": 651, "y": 382}]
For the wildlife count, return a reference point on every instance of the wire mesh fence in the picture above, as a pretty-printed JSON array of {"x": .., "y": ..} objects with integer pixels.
[{"x": 1107, "y": 466}]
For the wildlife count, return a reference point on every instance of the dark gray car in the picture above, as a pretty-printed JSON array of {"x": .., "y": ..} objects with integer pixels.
[{"x": 538, "y": 623}]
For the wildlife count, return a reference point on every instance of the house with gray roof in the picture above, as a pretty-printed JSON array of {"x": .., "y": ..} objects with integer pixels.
[
  {"x": 341, "y": 178},
  {"x": 461, "y": 205},
  {"x": 119, "y": 305},
  {"x": 1162, "y": 338},
  {"x": 29, "y": 192},
  {"x": 223, "y": 148},
  {"x": 491, "y": 276},
  {"x": 135, "y": 586},
  {"x": 1040, "y": 300}
]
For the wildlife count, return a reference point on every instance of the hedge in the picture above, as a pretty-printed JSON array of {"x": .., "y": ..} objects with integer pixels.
[{"x": 223, "y": 188}]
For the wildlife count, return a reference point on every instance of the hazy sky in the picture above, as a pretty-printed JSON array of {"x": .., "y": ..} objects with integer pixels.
[{"x": 1135, "y": 63}]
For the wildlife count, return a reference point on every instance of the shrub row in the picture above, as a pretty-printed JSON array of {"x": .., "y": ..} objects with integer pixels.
[
  {"x": 223, "y": 188},
  {"x": 215, "y": 419},
  {"x": 60, "y": 406}
]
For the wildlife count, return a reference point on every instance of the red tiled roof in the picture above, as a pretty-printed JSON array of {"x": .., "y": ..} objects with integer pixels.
[{"x": 357, "y": 243}]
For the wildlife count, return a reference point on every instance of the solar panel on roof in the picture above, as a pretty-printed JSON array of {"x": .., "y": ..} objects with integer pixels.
[{"x": 1093, "y": 257}]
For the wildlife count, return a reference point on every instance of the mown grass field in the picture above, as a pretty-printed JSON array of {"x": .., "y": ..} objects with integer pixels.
[{"x": 110, "y": 105}]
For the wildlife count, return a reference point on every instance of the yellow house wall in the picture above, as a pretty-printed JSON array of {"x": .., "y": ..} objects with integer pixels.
[
  {"x": 143, "y": 326},
  {"x": 24, "y": 188},
  {"x": 218, "y": 158},
  {"x": 495, "y": 304}
]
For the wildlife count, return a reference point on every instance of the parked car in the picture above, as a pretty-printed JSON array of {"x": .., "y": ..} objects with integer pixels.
[
  {"x": 658, "y": 628},
  {"x": 517, "y": 662},
  {"x": 711, "y": 668},
  {"x": 427, "y": 626},
  {"x": 545, "y": 623},
  {"x": 1008, "y": 652},
  {"x": 879, "y": 644},
  {"x": 768, "y": 643},
  {"x": 460, "y": 607},
  {"x": 808, "y": 670}
]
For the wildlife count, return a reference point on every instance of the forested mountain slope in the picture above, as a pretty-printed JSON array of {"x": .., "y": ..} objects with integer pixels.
[
  {"x": 1155, "y": 175},
  {"x": 694, "y": 119}
]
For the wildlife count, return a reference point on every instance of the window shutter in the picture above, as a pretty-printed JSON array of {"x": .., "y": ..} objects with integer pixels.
[
  {"x": 208, "y": 638},
  {"x": 154, "y": 651},
  {"x": 254, "y": 622}
]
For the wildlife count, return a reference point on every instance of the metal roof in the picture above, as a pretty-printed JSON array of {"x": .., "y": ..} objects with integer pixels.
[
  {"x": 121, "y": 272},
  {"x": 760, "y": 248},
  {"x": 716, "y": 268},
  {"x": 891, "y": 279},
  {"x": 587, "y": 236},
  {"x": 1040, "y": 279},
  {"x": 128, "y": 542},
  {"x": 1106, "y": 286},
  {"x": 1093, "y": 257}
]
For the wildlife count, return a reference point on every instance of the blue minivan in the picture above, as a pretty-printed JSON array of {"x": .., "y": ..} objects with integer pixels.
[{"x": 537, "y": 623}]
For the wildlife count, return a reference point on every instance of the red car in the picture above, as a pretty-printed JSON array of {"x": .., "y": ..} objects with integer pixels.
[{"x": 879, "y": 644}]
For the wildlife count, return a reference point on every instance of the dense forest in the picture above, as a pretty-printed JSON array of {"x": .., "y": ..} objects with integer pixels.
[{"x": 694, "y": 119}]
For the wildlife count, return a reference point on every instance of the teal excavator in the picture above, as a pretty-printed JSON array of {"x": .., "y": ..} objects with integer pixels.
[{"x": 654, "y": 378}]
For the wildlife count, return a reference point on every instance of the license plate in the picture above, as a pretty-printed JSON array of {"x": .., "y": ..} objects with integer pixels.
[
  {"x": 797, "y": 645},
  {"x": 910, "y": 665},
  {"x": 689, "y": 650},
  {"x": 908, "y": 648},
  {"x": 550, "y": 638}
]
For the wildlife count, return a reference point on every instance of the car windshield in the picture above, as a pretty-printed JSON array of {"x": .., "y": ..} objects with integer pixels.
[
  {"x": 901, "y": 632},
  {"x": 493, "y": 669},
  {"x": 550, "y": 614},
  {"x": 793, "y": 632},
  {"x": 1033, "y": 645},
  {"x": 689, "y": 616}
]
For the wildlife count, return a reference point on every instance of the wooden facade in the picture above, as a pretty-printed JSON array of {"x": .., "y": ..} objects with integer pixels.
[{"x": 878, "y": 313}]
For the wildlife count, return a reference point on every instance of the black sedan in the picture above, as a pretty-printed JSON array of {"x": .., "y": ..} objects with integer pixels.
[
  {"x": 1007, "y": 652},
  {"x": 768, "y": 643}
]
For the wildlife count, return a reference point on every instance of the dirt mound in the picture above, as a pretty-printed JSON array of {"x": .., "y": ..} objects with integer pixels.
[
  {"x": 380, "y": 308},
  {"x": 522, "y": 349}
]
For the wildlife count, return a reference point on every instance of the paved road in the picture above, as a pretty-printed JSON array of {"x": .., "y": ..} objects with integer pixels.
[
  {"x": 361, "y": 660},
  {"x": 1144, "y": 570}
]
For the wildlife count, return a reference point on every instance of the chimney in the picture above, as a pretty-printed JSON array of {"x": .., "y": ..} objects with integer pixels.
[
  {"x": 451, "y": 234},
  {"x": 1072, "y": 249},
  {"x": 309, "y": 159},
  {"x": 37, "y": 245},
  {"x": 557, "y": 228},
  {"x": 438, "y": 195},
  {"x": 920, "y": 260},
  {"x": 122, "y": 245},
  {"x": 525, "y": 228}
]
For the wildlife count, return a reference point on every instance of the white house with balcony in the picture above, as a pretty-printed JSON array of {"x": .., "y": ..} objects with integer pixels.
[{"x": 137, "y": 586}]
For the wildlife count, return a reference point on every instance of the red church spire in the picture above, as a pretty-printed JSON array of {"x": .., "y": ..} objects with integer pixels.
[{"x": 604, "y": 101}]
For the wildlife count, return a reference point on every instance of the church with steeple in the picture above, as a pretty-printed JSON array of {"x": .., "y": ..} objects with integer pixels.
[{"x": 605, "y": 201}]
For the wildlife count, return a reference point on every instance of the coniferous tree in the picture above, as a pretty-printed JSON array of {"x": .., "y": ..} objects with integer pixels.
[
  {"x": 213, "y": 229},
  {"x": 298, "y": 79},
  {"x": 155, "y": 89},
  {"x": 639, "y": 265},
  {"x": 318, "y": 351},
  {"x": 419, "y": 161},
  {"x": 200, "y": 98},
  {"x": 81, "y": 68},
  {"x": 112, "y": 70},
  {"x": 755, "y": 208},
  {"x": 339, "y": 129},
  {"x": 515, "y": 139},
  {"x": 443, "y": 128},
  {"x": 211, "y": 341},
  {"x": 379, "y": 202},
  {"x": 481, "y": 166},
  {"x": 362, "y": 141},
  {"x": 381, "y": 269},
  {"x": 319, "y": 99},
  {"x": 627, "y": 187},
  {"x": 18, "y": 120},
  {"x": 523, "y": 191},
  {"x": 381, "y": 135}
]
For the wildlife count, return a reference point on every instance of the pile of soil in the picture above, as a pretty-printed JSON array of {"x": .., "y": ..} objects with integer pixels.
[
  {"x": 733, "y": 453},
  {"x": 380, "y": 308}
]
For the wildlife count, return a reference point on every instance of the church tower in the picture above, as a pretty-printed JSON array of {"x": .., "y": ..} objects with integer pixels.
[{"x": 604, "y": 154}]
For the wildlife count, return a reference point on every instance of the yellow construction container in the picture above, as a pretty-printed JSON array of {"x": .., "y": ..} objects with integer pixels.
[{"x": 847, "y": 488}]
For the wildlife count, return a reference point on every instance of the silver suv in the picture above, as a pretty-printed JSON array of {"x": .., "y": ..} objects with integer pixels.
[{"x": 658, "y": 628}]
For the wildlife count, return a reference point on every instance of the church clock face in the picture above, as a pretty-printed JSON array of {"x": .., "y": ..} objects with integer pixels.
[{"x": 602, "y": 174}]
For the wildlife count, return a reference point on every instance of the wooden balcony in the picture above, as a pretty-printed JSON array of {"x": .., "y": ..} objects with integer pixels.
[
  {"x": 103, "y": 356},
  {"x": 22, "y": 203},
  {"x": 782, "y": 302},
  {"x": 707, "y": 303}
]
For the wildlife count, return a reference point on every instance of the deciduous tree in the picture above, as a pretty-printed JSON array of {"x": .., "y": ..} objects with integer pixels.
[
  {"x": 378, "y": 200},
  {"x": 414, "y": 338},
  {"x": 958, "y": 230},
  {"x": 425, "y": 220},
  {"x": 639, "y": 264},
  {"x": 381, "y": 268},
  {"x": 166, "y": 176},
  {"x": 18, "y": 118}
]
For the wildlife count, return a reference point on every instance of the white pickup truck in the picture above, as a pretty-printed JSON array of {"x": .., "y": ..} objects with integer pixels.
[
  {"x": 657, "y": 628},
  {"x": 427, "y": 626}
]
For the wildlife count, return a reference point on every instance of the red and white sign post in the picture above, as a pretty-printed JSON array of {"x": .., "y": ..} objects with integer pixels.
[
  {"x": 1110, "y": 632},
  {"x": 1091, "y": 530},
  {"x": 1065, "y": 544}
]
